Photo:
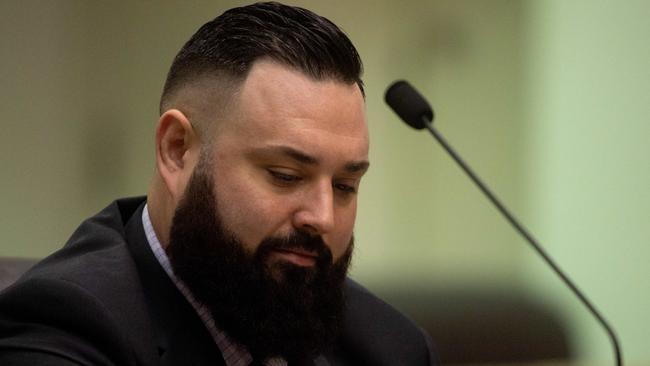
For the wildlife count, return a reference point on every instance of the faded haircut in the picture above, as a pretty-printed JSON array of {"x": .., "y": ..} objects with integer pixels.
[{"x": 224, "y": 49}]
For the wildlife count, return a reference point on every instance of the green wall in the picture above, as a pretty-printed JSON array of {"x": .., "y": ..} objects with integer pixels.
[
  {"x": 544, "y": 98},
  {"x": 587, "y": 147}
]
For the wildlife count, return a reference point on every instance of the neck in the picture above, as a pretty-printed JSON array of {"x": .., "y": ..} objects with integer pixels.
[{"x": 161, "y": 211}]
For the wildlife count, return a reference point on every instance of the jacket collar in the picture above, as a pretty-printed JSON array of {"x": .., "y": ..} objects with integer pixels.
[{"x": 179, "y": 335}]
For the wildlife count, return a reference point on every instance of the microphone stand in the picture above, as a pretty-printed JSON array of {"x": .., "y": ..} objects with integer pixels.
[{"x": 531, "y": 240}]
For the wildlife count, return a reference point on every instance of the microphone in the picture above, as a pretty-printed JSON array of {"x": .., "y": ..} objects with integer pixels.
[{"x": 411, "y": 107}]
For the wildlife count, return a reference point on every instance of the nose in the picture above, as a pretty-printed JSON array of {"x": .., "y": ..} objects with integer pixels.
[{"x": 315, "y": 213}]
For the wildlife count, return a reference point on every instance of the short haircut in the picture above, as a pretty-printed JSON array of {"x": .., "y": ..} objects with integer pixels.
[{"x": 228, "y": 46}]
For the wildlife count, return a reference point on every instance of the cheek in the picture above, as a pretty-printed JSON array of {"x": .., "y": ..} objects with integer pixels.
[
  {"x": 340, "y": 239},
  {"x": 245, "y": 211}
]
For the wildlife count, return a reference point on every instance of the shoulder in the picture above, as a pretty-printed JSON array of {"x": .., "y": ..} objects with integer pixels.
[
  {"x": 381, "y": 334},
  {"x": 75, "y": 303},
  {"x": 96, "y": 263}
]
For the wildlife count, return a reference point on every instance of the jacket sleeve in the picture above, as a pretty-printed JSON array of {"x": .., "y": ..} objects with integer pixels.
[
  {"x": 434, "y": 360},
  {"x": 25, "y": 357},
  {"x": 57, "y": 322}
]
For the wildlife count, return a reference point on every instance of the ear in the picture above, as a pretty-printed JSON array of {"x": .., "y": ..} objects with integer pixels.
[{"x": 177, "y": 151}]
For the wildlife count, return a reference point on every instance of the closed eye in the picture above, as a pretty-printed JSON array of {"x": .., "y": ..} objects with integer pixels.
[
  {"x": 284, "y": 178},
  {"x": 345, "y": 188}
]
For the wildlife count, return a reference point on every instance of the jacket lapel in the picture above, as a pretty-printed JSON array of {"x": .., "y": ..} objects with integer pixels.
[{"x": 180, "y": 336}]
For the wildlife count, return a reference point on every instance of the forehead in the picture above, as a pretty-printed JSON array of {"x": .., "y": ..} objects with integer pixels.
[{"x": 279, "y": 106}]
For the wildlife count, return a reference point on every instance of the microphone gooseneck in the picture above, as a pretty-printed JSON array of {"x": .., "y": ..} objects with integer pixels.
[{"x": 417, "y": 113}]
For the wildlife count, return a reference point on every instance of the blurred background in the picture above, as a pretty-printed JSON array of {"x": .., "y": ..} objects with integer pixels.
[{"x": 547, "y": 100}]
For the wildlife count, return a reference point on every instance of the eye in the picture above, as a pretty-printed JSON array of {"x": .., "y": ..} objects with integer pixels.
[
  {"x": 345, "y": 188},
  {"x": 284, "y": 178}
]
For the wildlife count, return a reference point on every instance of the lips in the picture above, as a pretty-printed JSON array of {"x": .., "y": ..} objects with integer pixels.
[{"x": 297, "y": 256}]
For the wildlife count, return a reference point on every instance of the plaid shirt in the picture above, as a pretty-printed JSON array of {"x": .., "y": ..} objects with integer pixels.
[{"x": 233, "y": 353}]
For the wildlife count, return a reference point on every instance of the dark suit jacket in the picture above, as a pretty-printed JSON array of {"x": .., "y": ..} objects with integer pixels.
[{"x": 104, "y": 299}]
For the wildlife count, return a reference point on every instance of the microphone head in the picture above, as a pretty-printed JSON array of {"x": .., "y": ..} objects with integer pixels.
[{"x": 408, "y": 104}]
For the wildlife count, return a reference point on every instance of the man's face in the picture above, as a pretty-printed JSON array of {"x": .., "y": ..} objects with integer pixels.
[
  {"x": 289, "y": 157},
  {"x": 263, "y": 234}
]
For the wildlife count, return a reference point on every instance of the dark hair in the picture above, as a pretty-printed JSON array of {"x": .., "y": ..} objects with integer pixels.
[{"x": 230, "y": 44}]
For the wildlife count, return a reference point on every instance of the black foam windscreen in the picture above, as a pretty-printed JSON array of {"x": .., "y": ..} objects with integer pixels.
[{"x": 409, "y": 105}]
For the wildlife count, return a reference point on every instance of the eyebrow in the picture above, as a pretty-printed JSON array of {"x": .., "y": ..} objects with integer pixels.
[
  {"x": 357, "y": 167},
  {"x": 304, "y": 158}
]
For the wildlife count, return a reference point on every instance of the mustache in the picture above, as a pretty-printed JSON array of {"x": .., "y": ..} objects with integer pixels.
[{"x": 297, "y": 240}]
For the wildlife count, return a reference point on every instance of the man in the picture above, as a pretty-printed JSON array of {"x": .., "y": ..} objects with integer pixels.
[{"x": 239, "y": 253}]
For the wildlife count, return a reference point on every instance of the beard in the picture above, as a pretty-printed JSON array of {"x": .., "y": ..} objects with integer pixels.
[{"x": 274, "y": 308}]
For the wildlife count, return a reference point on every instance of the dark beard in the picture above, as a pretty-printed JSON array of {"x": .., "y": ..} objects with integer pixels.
[{"x": 277, "y": 309}]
